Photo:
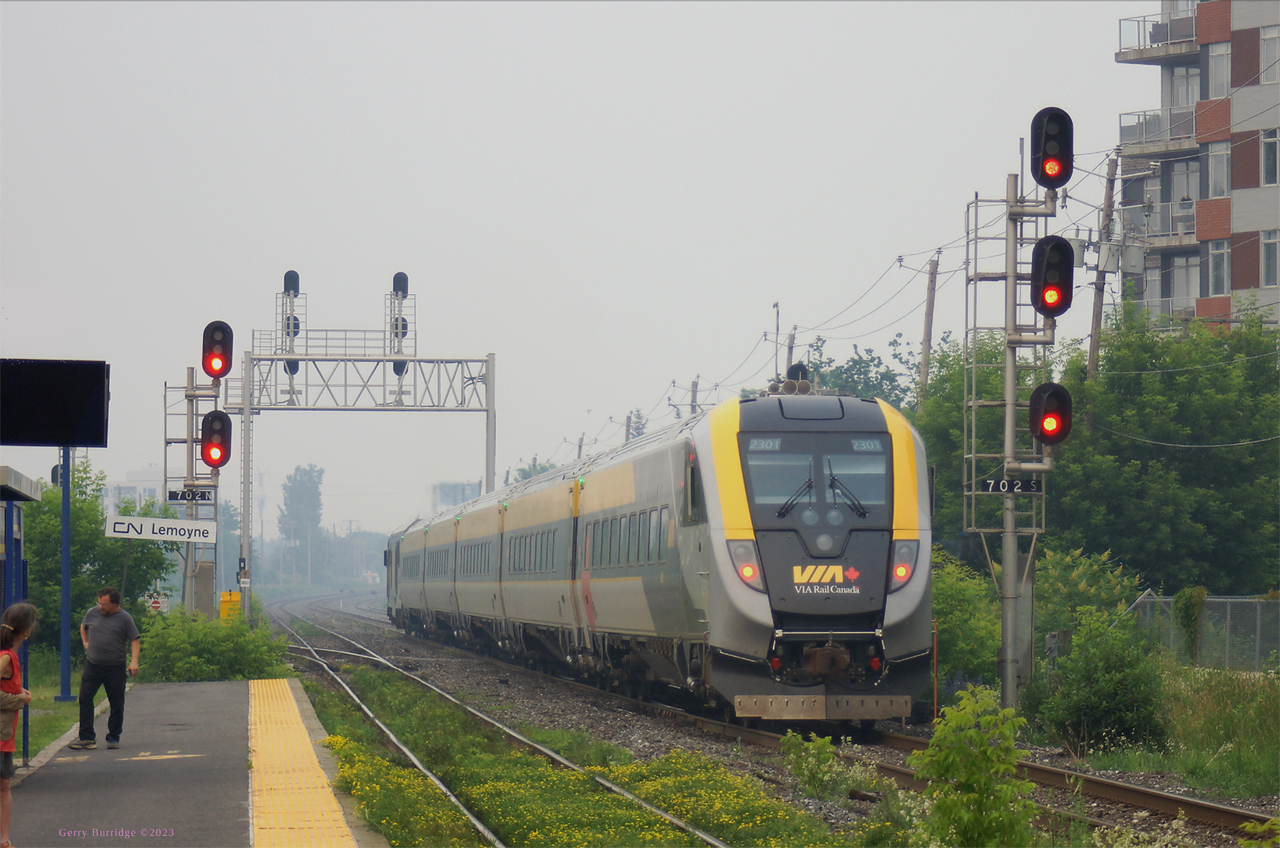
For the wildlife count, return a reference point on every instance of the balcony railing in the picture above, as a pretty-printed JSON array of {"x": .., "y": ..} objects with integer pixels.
[
  {"x": 1158, "y": 125},
  {"x": 1160, "y": 220},
  {"x": 1157, "y": 30}
]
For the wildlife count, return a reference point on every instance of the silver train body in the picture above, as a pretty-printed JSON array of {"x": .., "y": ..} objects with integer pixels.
[{"x": 771, "y": 555}]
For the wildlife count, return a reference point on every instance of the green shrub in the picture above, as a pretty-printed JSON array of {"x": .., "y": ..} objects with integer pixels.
[
  {"x": 1105, "y": 694},
  {"x": 183, "y": 647},
  {"x": 968, "y": 613},
  {"x": 971, "y": 764}
]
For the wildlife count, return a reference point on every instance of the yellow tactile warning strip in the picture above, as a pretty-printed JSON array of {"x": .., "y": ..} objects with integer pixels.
[{"x": 293, "y": 803}]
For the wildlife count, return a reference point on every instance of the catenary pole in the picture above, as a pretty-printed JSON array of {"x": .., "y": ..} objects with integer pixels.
[{"x": 1100, "y": 282}]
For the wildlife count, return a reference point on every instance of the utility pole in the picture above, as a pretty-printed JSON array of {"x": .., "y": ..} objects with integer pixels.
[
  {"x": 693, "y": 395},
  {"x": 1100, "y": 282},
  {"x": 777, "y": 336},
  {"x": 791, "y": 343},
  {"x": 928, "y": 330},
  {"x": 627, "y": 437}
]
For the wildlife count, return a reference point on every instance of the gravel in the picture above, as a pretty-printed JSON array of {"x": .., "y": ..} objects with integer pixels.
[{"x": 517, "y": 697}]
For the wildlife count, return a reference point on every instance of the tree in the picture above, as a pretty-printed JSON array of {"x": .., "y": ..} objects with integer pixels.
[
  {"x": 97, "y": 560},
  {"x": 1134, "y": 477},
  {"x": 533, "y": 469},
  {"x": 1174, "y": 516},
  {"x": 940, "y": 421},
  {"x": 638, "y": 423},
  {"x": 299, "y": 519},
  {"x": 865, "y": 375}
]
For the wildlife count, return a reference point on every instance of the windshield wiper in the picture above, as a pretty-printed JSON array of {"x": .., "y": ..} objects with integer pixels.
[
  {"x": 836, "y": 486},
  {"x": 805, "y": 487}
]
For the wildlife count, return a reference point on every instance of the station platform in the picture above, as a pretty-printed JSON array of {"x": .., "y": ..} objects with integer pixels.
[{"x": 221, "y": 765}]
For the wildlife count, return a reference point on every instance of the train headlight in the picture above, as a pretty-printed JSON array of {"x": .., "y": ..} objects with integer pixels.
[
  {"x": 746, "y": 561},
  {"x": 903, "y": 563}
]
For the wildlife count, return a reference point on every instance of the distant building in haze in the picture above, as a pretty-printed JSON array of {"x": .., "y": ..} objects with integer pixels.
[{"x": 445, "y": 495}]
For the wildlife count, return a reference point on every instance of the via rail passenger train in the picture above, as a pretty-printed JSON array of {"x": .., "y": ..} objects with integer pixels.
[{"x": 771, "y": 556}]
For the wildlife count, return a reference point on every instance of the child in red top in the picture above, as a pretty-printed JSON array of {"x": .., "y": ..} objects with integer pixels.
[{"x": 15, "y": 626}]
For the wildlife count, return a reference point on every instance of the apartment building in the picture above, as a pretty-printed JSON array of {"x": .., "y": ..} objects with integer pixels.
[{"x": 1200, "y": 176}]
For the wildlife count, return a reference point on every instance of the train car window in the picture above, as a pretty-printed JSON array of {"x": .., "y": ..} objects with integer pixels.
[
  {"x": 643, "y": 531},
  {"x": 694, "y": 511},
  {"x": 664, "y": 517},
  {"x": 624, "y": 551},
  {"x": 654, "y": 523},
  {"x": 542, "y": 552},
  {"x": 864, "y": 471},
  {"x": 552, "y": 564},
  {"x": 593, "y": 545},
  {"x": 613, "y": 541},
  {"x": 633, "y": 545}
]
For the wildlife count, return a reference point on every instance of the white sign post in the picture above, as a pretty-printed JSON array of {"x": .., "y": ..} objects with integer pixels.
[{"x": 161, "y": 529}]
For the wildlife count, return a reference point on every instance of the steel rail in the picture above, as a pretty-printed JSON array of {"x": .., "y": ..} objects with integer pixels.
[
  {"x": 479, "y": 826},
  {"x": 534, "y": 746},
  {"x": 1205, "y": 812}
]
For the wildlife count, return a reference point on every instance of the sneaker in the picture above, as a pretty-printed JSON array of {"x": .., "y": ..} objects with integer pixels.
[
  {"x": 83, "y": 745},
  {"x": 111, "y": 743}
]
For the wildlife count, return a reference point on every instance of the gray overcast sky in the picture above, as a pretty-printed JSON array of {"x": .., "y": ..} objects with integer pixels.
[{"x": 608, "y": 196}]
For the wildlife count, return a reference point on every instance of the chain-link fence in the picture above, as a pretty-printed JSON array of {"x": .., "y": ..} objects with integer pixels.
[{"x": 1235, "y": 632}]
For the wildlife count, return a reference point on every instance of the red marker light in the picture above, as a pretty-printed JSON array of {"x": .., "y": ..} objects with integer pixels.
[
  {"x": 747, "y": 572},
  {"x": 875, "y": 663},
  {"x": 901, "y": 571},
  {"x": 775, "y": 663}
]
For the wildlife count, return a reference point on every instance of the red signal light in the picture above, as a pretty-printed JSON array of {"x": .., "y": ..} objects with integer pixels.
[
  {"x": 215, "y": 439},
  {"x": 216, "y": 358},
  {"x": 1050, "y": 409},
  {"x": 1051, "y": 297},
  {"x": 1052, "y": 167}
]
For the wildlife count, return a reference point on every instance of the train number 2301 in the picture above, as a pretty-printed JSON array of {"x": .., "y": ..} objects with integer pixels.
[{"x": 1014, "y": 486}]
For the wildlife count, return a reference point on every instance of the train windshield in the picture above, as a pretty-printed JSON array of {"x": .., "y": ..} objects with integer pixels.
[{"x": 788, "y": 470}]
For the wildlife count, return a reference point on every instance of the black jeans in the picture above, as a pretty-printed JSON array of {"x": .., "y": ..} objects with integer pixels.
[{"x": 113, "y": 677}]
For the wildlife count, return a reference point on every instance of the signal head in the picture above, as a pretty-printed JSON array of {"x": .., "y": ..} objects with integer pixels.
[
  {"x": 215, "y": 439},
  {"x": 1052, "y": 154},
  {"x": 1050, "y": 420},
  {"x": 1052, "y": 276},
  {"x": 216, "y": 356}
]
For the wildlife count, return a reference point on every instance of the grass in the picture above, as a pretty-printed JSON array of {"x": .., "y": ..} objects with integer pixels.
[
  {"x": 49, "y": 719},
  {"x": 1223, "y": 730},
  {"x": 527, "y": 801}
]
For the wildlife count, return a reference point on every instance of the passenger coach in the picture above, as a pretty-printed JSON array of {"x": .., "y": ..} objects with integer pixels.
[{"x": 771, "y": 556}]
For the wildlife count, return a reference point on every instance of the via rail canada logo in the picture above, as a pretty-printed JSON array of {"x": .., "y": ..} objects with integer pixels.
[{"x": 824, "y": 580}]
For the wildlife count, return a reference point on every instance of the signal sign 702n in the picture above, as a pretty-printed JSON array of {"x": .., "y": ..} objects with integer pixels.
[{"x": 1014, "y": 486}]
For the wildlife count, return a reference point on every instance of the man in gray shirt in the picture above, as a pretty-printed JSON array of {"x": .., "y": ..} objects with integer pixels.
[{"x": 107, "y": 631}]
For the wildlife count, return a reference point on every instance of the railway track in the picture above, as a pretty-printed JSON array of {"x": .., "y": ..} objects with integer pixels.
[
  {"x": 1113, "y": 795},
  {"x": 366, "y": 654}
]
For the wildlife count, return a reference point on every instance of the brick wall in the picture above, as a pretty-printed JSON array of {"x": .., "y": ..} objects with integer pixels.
[
  {"x": 1213, "y": 21},
  {"x": 1213, "y": 119},
  {"x": 1213, "y": 218}
]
